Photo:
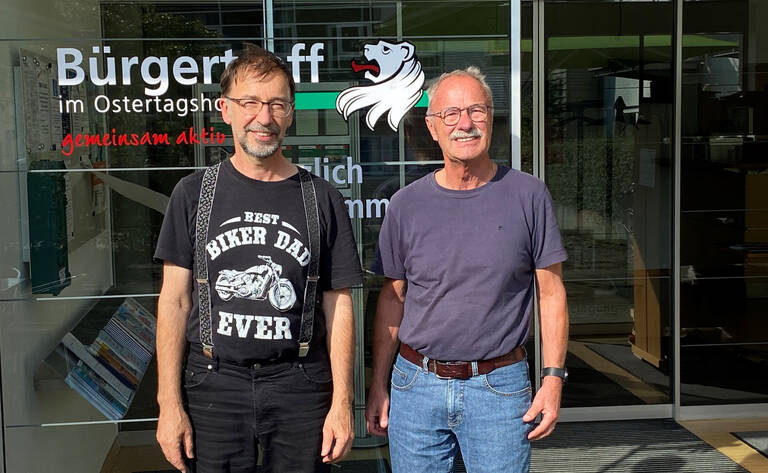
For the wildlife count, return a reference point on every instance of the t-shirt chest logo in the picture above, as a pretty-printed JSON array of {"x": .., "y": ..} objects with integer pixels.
[
  {"x": 257, "y": 283},
  {"x": 259, "y": 235},
  {"x": 263, "y": 281}
]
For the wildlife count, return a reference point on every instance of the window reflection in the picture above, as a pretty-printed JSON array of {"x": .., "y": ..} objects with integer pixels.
[
  {"x": 608, "y": 167},
  {"x": 116, "y": 225},
  {"x": 724, "y": 242}
]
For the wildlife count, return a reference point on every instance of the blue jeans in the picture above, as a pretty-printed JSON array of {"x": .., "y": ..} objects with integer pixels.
[{"x": 431, "y": 418}]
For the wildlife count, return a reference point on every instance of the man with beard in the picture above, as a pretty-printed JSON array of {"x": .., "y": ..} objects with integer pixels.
[
  {"x": 255, "y": 333},
  {"x": 462, "y": 249}
]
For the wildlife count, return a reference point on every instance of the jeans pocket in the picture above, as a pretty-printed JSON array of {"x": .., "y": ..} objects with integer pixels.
[
  {"x": 194, "y": 377},
  {"x": 316, "y": 373},
  {"x": 404, "y": 374},
  {"x": 509, "y": 380}
]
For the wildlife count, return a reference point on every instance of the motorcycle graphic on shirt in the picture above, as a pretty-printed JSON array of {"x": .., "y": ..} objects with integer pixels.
[{"x": 257, "y": 283}]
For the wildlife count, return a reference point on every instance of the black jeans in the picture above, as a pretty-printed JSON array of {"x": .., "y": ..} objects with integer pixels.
[{"x": 279, "y": 406}]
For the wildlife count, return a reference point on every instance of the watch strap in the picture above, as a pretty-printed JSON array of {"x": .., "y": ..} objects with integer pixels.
[{"x": 561, "y": 373}]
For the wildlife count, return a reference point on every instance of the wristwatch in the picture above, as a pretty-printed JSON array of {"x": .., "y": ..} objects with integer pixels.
[{"x": 561, "y": 373}]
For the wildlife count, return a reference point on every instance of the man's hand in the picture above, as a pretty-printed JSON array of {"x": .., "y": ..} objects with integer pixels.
[
  {"x": 174, "y": 434},
  {"x": 546, "y": 403},
  {"x": 553, "y": 314},
  {"x": 174, "y": 431},
  {"x": 377, "y": 411},
  {"x": 386, "y": 325},
  {"x": 338, "y": 433}
]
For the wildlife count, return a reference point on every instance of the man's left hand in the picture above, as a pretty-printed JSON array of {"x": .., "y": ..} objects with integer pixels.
[
  {"x": 338, "y": 433},
  {"x": 546, "y": 403}
]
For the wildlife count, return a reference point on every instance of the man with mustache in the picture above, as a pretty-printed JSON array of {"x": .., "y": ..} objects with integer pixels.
[
  {"x": 462, "y": 249},
  {"x": 255, "y": 332}
]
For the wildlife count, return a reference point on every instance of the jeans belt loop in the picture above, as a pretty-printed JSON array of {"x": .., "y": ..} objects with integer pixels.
[
  {"x": 425, "y": 363},
  {"x": 474, "y": 368}
]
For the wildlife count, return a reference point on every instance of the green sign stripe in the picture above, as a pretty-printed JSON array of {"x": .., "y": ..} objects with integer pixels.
[
  {"x": 327, "y": 100},
  {"x": 316, "y": 100}
]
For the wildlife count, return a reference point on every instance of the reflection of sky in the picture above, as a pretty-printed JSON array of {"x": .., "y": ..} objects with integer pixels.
[{"x": 720, "y": 75}]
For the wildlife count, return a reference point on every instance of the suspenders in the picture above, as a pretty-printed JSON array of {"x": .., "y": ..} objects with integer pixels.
[
  {"x": 207, "y": 192},
  {"x": 313, "y": 271}
]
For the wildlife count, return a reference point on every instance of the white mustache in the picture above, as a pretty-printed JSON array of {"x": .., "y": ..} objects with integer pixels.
[
  {"x": 473, "y": 133},
  {"x": 263, "y": 129}
]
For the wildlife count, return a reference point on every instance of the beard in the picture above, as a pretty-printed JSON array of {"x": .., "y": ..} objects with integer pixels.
[{"x": 260, "y": 150}]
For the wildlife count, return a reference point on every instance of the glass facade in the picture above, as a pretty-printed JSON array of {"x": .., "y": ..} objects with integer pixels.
[
  {"x": 608, "y": 164},
  {"x": 724, "y": 205},
  {"x": 105, "y": 105}
]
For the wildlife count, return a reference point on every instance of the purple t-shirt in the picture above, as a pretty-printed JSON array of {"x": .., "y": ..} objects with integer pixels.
[{"x": 469, "y": 258}]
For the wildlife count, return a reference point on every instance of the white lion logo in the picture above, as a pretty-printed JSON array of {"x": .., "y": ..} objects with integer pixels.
[{"x": 396, "y": 86}]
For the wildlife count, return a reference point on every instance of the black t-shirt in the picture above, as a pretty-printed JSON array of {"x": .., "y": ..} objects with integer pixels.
[{"x": 258, "y": 254}]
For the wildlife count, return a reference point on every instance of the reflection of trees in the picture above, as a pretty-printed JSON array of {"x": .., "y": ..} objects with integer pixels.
[
  {"x": 83, "y": 13},
  {"x": 594, "y": 212},
  {"x": 526, "y": 134},
  {"x": 599, "y": 199},
  {"x": 135, "y": 227},
  {"x": 119, "y": 21},
  {"x": 144, "y": 21}
]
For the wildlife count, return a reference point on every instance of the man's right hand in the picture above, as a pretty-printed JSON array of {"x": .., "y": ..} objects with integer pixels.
[
  {"x": 174, "y": 434},
  {"x": 377, "y": 411}
]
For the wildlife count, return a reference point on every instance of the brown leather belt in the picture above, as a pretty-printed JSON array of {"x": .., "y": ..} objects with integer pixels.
[{"x": 461, "y": 369}]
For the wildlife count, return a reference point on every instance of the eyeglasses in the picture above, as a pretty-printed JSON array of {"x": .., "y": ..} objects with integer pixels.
[
  {"x": 278, "y": 108},
  {"x": 450, "y": 116}
]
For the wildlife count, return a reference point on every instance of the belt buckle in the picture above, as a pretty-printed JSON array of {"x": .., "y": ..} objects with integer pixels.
[
  {"x": 442, "y": 377},
  {"x": 449, "y": 365},
  {"x": 434, "y": 369}
]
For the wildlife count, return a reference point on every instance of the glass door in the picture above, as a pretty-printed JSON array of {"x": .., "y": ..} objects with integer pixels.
[
  {"x": 608, "y": 164},
  {"x": 724, "y": 205}
]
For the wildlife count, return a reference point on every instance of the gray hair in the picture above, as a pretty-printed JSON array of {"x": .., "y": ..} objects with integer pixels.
[{"x": 471, "y": 71}]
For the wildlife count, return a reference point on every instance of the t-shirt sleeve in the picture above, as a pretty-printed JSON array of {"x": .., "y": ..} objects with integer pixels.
[
  {"x": 547, "y": 244},
  {"x": 339, "y": 260},
  {"x": 388, "y": 260},
  {"x": 174, "y": 243}
]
